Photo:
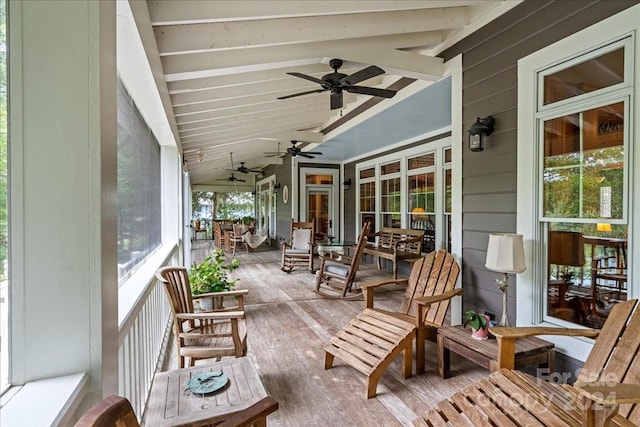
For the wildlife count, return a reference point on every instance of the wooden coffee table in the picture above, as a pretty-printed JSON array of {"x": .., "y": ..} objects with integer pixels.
[
  {"x": 172, "y": 404},
  {"x": 530, "y": 351}
]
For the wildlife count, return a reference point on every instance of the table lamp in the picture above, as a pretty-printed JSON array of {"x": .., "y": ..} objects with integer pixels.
[{"x": 505, "y": 254}]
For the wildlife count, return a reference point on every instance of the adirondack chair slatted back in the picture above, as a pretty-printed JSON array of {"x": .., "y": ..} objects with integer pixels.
[
  {"x": 434, "y": 274},
  {"x": 176, "y": 285},
  {"x": 614, "y": 356}
]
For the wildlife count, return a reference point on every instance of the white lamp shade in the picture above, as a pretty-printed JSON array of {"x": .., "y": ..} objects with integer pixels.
[{"x": 505, "y": 253}]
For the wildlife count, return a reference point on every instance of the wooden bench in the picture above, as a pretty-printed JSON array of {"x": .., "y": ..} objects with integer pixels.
[
  {"x": 396, "y": 244},
  {"x": 607, "y": 391}
]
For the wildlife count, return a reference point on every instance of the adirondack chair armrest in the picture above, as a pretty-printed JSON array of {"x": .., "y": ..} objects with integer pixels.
[
  {"x": 424, "y": 303},
  {"x": 367, "y": 288},
  {"x": 236, "y": 293},
  {"x": 253, "y": 415},
  {"x": 211, "y": 315},
  {"x": 609, "y": 393},
  {"x": 427, "y": 301},
  {"x": 601, "y": 400},
  {"x": 507, "y": 335}
]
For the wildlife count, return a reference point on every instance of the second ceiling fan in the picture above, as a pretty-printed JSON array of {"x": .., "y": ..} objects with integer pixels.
[
  {"x": 294, "y": 151},
  {"x": 337, "y": 82}
]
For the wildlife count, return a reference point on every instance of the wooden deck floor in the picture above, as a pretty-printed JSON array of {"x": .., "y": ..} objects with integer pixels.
[{"x": 288, "y": 326}]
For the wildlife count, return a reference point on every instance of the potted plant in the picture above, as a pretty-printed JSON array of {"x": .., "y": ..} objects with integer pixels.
[
  {"x": 212, "y": 276},
  {"x": 479, "y": 324}
]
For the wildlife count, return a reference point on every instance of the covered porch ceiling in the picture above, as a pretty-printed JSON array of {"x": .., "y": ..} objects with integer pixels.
[{"x": 219, "y": 67}]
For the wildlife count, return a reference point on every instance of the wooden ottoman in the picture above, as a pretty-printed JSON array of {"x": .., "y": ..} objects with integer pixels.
[{"x": 370, "y": 342}]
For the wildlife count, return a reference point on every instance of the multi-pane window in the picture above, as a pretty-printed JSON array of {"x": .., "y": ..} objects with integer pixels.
[
  {"x": 583, "y": 122},
  {"x": 368, "y": 196},
  {"x": 421, "y": 192},
  {"x": 410, "y": 189},
  {"x": 390, "y": 195}
]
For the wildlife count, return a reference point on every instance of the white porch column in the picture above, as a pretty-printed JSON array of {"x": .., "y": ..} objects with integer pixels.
[{"x": 63, "y": 207}]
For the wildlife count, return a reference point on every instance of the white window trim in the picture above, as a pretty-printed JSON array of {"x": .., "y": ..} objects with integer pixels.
[
  {"x": 529, "y": 289},
  {"x": 436, "y": 146}
]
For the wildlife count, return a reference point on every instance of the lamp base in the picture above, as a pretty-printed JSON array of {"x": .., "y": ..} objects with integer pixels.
[{"x": 504, "y": 285}]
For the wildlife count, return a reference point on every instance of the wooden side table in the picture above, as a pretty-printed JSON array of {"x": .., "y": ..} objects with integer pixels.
[
  {"x": 530, "y": 351},
  {"x": 172, "y": 404}
]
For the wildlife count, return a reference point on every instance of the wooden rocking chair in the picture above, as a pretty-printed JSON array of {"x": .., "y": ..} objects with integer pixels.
[
  {"x": 371, "y": 341},
  {"x": 299, "y": 249},
  {"x": 607, "y": 391},
  {"x": 337, "y": 272}
]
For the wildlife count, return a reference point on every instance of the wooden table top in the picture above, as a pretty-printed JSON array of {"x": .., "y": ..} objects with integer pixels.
[
  {"x": 172, "y": 404},
  {"x": 489, "y": 347}
]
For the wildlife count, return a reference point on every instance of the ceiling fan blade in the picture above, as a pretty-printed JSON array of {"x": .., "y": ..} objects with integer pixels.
[
  {"x": 317, "y": 153},
  {"x": 302, "y": 93},
  {"x": 373, "y": 91},
  {"x": 364, "y": 74},
  {"x": 239, "y": 180},
  {"x": 336, "y": 100},
  {"x": 310, "y": 78},
  {"x": 307, "y": 155}
]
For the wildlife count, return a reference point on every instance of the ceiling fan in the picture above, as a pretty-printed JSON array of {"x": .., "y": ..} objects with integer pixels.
[
  {"x": 242, "y": 168},
  {"x": 294, "y": 151},
  {"x": 233, "y": 178},
  {"x": 337, "y": 82}
]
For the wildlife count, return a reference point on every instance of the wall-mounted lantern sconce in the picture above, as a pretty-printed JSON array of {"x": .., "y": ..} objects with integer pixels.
[
  {"x": 347, "y": 183},
  {"x": 482, "y": 128},
  {"x": 276, "y": 187}
]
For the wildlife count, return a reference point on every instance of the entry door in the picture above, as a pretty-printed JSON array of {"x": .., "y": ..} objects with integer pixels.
[{"x": 320, "y": 209}]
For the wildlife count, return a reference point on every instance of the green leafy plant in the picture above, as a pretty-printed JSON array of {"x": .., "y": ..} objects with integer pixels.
[
  {"x": 474, "y": 319},
  {"x": 212, "y": 274}
]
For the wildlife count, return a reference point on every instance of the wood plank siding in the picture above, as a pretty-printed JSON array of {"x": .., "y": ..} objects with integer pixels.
[{"x": 489, "y": 58}]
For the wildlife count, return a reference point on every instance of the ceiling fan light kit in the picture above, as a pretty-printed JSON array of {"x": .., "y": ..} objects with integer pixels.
[{"x": 337, "y": 82}]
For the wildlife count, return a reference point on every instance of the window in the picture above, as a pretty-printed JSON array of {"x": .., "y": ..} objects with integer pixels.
[
  {"x": 410, "y": 189},
  {"x": 139, "y": 210},
  {"x": 583, "y": 185},
  {"x": 367, "y": 196},
  {"x": 390, "y": 195},
  {"x": 583, "y": 175},
  {"x": 422, "y": 196},
  {"x": 573, "y": 196}
]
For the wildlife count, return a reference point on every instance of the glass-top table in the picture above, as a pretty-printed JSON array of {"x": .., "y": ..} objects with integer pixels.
[{"x": 337, "y": 246}]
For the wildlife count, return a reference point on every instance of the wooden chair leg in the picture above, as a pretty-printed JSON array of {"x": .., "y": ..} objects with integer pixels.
[
  {"x": 328, "y": 360},
  {"x": 372, "y": 385},
  {"x": 407, "y": 361},
  {"x": 420, "y": 356}
]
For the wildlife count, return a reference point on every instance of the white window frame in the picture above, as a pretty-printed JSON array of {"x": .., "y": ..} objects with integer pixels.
[
  {"x": 437, "y": 146},
  {"x": 530, "y": 288}
]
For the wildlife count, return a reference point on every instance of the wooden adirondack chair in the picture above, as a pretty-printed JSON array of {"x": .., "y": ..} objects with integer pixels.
[
  {"x": 607, "y": 391},
  {"x": 337, "y": 272},
  {"x": 205, "y": 334},
  {"x": 371, "y": 341},
  {"x": 111, "y": 411}
]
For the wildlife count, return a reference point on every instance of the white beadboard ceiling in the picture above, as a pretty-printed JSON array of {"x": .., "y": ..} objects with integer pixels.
[{"x": 219, "y": 67}]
